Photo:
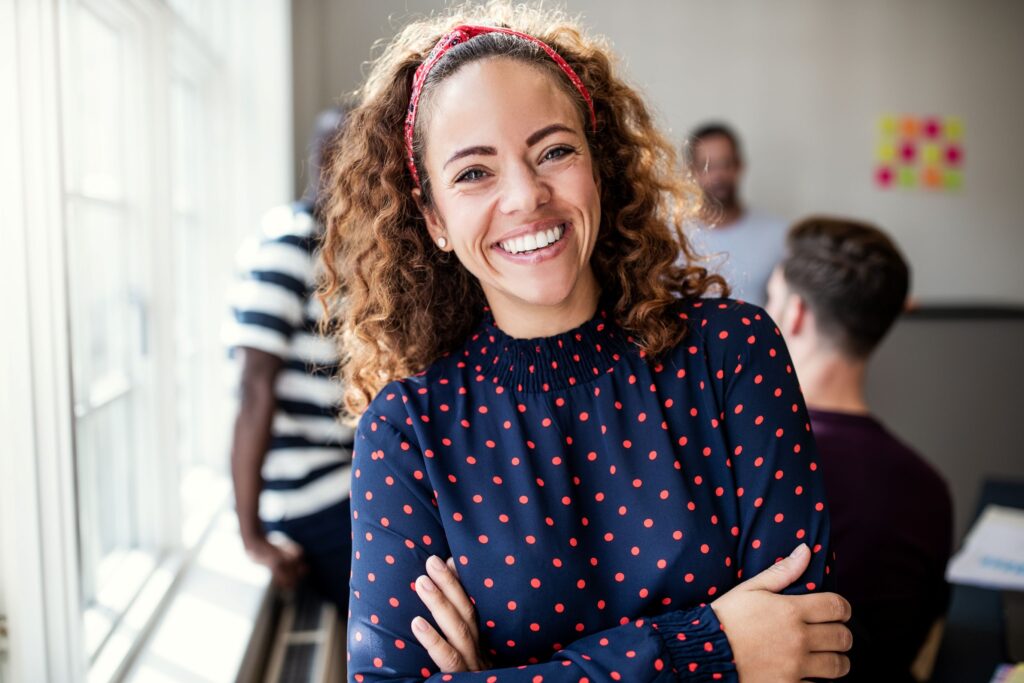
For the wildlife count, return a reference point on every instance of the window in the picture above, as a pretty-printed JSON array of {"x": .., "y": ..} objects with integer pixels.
[
  {"x": 129, "y": 183},
  {"x": 110, "y": 327}
]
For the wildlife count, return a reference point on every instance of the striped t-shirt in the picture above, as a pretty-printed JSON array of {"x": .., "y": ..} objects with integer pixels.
[{"x": 308, "y": 464}]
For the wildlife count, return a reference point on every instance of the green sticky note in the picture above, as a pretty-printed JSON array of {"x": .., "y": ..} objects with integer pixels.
[
  {"x": 907, "y": 177},
  {"x": 885, "y": 152},
  {"x": 931, "y": 154},
  {"x": 954, "y": 126},
  {"x": 953, "y": 180}
]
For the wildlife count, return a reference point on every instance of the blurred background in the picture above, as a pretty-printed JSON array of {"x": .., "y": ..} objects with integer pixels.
[{"x": 141, "y": 141}]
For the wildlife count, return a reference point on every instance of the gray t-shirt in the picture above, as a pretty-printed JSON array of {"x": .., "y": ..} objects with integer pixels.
[{"x": 744, "y": 252}]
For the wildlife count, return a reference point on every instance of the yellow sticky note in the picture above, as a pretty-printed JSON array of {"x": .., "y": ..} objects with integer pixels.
[
  {"x": 954, "y": 126},
  {"x": 886, "y": 152},
  {"x": 931, "y": 154},
  {"x": 887, "y": 125}
]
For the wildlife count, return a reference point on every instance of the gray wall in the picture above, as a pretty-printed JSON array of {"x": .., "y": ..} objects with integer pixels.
[
  {"x": 952, "y": 389},
  {"x": 805, "y": 82}
]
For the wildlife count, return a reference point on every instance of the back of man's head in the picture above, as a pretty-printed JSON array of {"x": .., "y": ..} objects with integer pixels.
[{"x": 852, "y": 277}]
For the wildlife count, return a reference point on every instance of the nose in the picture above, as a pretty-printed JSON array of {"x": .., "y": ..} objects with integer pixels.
[{"x": 523, "y": 190}]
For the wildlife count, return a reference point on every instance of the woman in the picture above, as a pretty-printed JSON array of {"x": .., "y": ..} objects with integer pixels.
[{"x": 545, "y": 397}]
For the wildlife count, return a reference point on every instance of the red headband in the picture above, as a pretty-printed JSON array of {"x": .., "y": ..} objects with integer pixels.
[{"x": 461, "y": 34}]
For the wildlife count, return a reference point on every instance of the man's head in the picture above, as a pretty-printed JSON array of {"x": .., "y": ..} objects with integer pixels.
[
  {"x": 840, "y": 287},
  {"x": 713, "y": 153}
]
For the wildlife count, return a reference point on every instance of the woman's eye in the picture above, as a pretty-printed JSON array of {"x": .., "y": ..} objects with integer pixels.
[
  {"x": 558, "y": 152},
  {"x": 471, "y": 175}
]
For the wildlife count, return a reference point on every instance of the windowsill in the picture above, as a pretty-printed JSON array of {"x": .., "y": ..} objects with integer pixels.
[{"x": 214, "y": 610}]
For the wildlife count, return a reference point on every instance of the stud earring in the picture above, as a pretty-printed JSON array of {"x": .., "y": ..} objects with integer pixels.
[{"x": 442, "y": 242}]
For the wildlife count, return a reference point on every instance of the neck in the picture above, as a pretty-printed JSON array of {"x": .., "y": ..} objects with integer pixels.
[
  {"x": 833, "y": 382},
  {"x": 525, "y": 320}
]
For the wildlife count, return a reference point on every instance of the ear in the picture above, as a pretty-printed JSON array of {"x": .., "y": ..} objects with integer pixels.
[
  {"x": 798, "y": 314},
  {"x": 434, "y": 224}
]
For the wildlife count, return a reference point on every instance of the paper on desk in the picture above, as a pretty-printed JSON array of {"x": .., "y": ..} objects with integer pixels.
[{"x": 993, "y": 552}]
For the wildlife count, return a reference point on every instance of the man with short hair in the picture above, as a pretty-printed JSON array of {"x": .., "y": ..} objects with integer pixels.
[
  {"x": 747, "y": 243},
  {"x": 836, "y": 293},
  {"x": 291, "y": 458}
]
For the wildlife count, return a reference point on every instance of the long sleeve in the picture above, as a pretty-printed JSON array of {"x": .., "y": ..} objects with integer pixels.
[
  {"x": 397, "y": 525},
  {"x": 780, "y": 490}
]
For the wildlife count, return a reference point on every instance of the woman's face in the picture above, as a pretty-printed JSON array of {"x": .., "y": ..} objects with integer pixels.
[{"x": 514, "y": 192}]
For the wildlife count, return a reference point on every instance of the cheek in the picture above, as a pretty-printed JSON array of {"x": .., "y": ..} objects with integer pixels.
[{"x": 466, "y": 221}]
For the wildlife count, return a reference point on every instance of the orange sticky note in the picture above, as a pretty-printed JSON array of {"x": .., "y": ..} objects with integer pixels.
[
  {"x": 909, "y": 127},
  {"x": 932, "y": 177}
]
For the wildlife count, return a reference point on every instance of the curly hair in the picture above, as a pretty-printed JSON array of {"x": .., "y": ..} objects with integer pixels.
[{"x": 396, "y": 303}]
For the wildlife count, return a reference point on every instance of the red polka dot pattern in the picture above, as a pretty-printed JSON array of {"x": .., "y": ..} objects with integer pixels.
[{"x": 593, "y": 500}]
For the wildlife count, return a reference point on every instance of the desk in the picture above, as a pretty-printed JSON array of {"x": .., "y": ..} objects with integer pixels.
[{"x": 974, "y": 642}]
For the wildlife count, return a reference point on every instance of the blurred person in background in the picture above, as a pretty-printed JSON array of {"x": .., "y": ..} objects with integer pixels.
[
  {"x": 290, "y": 456},
  {"x": 750, "y": 242},
  {"x": 838, "y": 290}
]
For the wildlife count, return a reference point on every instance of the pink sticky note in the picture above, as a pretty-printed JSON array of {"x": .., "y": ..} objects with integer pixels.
[
  {"x": 954, "y": 155},
  {"x": 908, "y": 152},
  {"x": 932, "y": 128},
  {"x": 883, "y": 176}
]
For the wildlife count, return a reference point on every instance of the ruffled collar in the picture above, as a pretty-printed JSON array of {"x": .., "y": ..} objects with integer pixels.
[{"x": 568, "y": 359}]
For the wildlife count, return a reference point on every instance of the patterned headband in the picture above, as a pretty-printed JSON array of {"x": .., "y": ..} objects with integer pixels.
[{"x": 461, "y": 34}]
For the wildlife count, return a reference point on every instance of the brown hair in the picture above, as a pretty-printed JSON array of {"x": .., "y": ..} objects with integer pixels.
[
  {"x": 851, "y": 275},
  {"x": 397, "y": 303}
]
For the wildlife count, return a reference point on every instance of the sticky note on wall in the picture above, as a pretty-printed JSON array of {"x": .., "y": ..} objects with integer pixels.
[{"x": 913, "y": 151}]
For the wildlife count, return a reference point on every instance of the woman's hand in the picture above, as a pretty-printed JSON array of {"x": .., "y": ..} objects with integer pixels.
[
  {"x": 785, "y": 637},
  {"x": 441, "y": 592}
]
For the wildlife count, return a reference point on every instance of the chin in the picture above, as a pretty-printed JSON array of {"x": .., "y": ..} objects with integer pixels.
[{"x": 541, "y": 293}]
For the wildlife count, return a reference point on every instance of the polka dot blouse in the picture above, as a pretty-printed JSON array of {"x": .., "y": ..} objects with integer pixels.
[{"x": 594, "y": 502}]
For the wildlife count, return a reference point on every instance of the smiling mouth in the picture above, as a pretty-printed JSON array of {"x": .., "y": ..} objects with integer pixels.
[{"x": 535, "y": 241}]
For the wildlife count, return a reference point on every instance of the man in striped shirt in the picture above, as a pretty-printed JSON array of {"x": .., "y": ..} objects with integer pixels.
[{"x": 291, "y": 457}]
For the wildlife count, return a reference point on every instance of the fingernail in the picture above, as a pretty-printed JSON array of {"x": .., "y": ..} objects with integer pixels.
[
  {"x": 435, "y": 563},
  {"x": 420, "y": 624},
  {"x": 426, "y": 584},
  {"x": 799, "y": 550}
]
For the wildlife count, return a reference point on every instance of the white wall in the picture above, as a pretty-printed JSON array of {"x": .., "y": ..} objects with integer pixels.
[{"x": 804, "y": 82}]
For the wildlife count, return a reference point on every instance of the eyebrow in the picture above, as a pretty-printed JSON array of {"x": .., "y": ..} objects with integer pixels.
[
  {"x": 491, "y": 151},
  {"x": 546, "y": 131}
]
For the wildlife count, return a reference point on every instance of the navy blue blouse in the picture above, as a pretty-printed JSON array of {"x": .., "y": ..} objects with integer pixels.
[{"x": 593, "y": 501}]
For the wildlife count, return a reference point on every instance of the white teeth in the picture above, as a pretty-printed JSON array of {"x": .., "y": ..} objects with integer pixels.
[{"x": 533, "y": 241}]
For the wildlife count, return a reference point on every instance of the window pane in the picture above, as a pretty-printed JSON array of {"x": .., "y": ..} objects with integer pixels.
[
  {"x": 105, "y": 329},
  {"x": 204, "y": 485},
  {"x": 97, "y": 121},
  {"x": 109, "y": 326}
]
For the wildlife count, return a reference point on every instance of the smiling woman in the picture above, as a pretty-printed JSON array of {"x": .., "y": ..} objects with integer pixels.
[{"x": 564, "y": 450}]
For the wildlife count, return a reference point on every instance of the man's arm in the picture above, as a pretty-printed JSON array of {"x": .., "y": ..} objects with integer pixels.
[{"x": 251, "y": 439}]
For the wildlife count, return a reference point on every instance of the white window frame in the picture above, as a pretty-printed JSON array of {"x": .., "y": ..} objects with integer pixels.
[{"x": 37, "y": 522}]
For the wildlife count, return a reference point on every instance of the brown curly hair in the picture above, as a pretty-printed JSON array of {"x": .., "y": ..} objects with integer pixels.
[{"x": 397, "y": 303}]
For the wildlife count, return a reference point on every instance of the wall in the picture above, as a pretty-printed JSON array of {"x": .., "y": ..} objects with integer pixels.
[
  {"x": 804, "y": 81},
  {"x": 951, "y": 388}
]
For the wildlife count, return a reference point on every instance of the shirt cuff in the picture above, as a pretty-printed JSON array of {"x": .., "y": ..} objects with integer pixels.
[{"x": 697, "y": 644}]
